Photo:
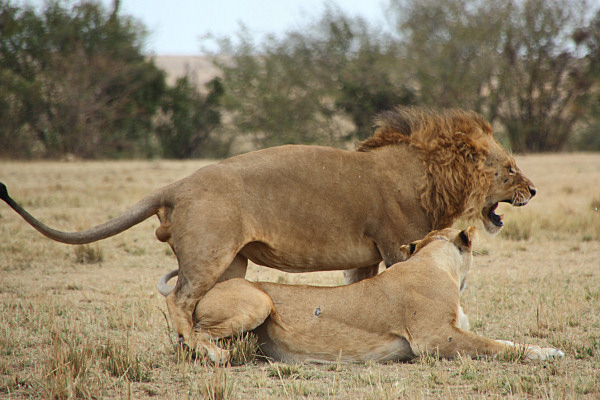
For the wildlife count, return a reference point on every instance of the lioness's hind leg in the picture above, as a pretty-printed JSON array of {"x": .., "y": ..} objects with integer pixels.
[{"x": 230, "y": 308}]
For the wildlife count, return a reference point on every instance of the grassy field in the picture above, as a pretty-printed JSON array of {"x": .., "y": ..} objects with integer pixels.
[{"x": 88, "y": 322}]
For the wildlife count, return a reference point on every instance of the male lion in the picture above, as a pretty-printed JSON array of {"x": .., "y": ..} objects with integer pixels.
[
  {"x": 417, "y": 310},
  {"x": 308, "y": 208}
]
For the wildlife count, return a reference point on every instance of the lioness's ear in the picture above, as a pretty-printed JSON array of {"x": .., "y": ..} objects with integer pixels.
[
  {"x": 413, "y": 247},
  {"x": 466, "y": 237},
  {"x": 405, "y": 252}
]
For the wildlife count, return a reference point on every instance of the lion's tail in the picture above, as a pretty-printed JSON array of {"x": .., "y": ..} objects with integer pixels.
[{"x": 136, "y": 214}]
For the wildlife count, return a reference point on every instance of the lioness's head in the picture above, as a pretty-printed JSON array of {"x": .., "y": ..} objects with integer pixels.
[
  {"x": 466, "y": 171},
  {"x": 457, "y": 244}
]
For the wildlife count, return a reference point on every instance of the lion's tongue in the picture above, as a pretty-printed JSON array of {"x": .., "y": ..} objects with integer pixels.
[{"x": 495, "y": 218}]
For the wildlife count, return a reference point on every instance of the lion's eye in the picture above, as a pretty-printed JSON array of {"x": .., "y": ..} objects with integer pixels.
[{"x": 511, "y": 171}]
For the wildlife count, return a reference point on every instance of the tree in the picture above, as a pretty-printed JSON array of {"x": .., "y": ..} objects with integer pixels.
[
  {"x": 370, "y": 78},
  {"x": 541, "y": 78},
  {"x": 450, "y": 50},
  {"x": 189, "y": 118},
  {"x": 77, "y": 80},
  {"x": 587, "y": 39},
  {"x": 304, "y": 87},
  {"x": 271, "y": 91},
  {"x": 514, "y": 61},
  {"x": 21, "y": 101}
]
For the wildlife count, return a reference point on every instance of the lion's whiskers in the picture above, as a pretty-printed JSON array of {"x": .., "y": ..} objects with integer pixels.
[{"x": 518, "y": 198}]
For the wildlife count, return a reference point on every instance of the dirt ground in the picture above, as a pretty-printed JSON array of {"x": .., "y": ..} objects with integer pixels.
[{"x": 88, "y": 322}]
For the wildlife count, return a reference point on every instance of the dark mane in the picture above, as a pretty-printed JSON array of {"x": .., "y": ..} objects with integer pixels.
[{"x": 409, "y": 124}]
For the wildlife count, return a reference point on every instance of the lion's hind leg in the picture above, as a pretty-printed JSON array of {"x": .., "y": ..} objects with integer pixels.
[
  {"x": 230, "y": 308},
  {"x": 206, "y": 240}
]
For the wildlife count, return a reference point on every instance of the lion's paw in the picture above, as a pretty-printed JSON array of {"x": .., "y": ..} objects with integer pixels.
[{"x": 217, "y": 354}]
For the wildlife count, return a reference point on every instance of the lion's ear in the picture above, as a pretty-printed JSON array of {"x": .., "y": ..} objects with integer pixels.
[{"x": 467, "y": 236}]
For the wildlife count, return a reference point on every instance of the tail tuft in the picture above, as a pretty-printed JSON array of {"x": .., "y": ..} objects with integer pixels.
[{"x": 4, "y": 192}]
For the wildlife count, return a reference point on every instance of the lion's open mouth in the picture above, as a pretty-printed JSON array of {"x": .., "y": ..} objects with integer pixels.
[{"x": 497, "y": 219}]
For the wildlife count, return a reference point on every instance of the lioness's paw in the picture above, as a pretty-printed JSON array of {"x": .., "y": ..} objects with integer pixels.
[
  {"x": 463, "y": 320},
  {"x": 544, "y": 353},
  {"x": 532, "y": 352},
  {"x": 536, "y": 353}
]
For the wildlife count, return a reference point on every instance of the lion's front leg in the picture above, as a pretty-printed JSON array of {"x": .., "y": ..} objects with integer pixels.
[{"x": 359, "y": 274}]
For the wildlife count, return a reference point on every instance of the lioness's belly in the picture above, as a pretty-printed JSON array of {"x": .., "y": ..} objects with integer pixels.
[
  {"x": 315, "y": 256},
  {"x": 330, "y": 344}
]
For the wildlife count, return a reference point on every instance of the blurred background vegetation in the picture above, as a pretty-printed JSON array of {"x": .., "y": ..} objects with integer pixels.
[{"x": 74, "y": 81}]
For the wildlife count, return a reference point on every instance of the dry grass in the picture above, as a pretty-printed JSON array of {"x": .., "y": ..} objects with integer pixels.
[{"x": 89, "y": 323}]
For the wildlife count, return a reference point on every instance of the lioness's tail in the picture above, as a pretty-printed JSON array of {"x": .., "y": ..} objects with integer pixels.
[{"x": 136, "y": 214}]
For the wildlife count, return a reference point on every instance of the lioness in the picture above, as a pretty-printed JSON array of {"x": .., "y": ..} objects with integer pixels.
[
  {"x": 308, "y": 208},
  {"x": 417, "y": 310}
]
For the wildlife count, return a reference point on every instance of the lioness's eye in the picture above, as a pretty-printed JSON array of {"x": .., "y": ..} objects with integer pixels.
[{"x": 511, "y": 171}]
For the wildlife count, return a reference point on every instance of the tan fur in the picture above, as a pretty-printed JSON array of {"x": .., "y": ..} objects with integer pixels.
[
  {"x": 308, "y": 208},
  {"x": 417, "y": 310}
]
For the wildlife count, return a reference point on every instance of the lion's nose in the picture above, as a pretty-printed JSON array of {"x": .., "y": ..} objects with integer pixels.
[{"x": 532, "y": 191}]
